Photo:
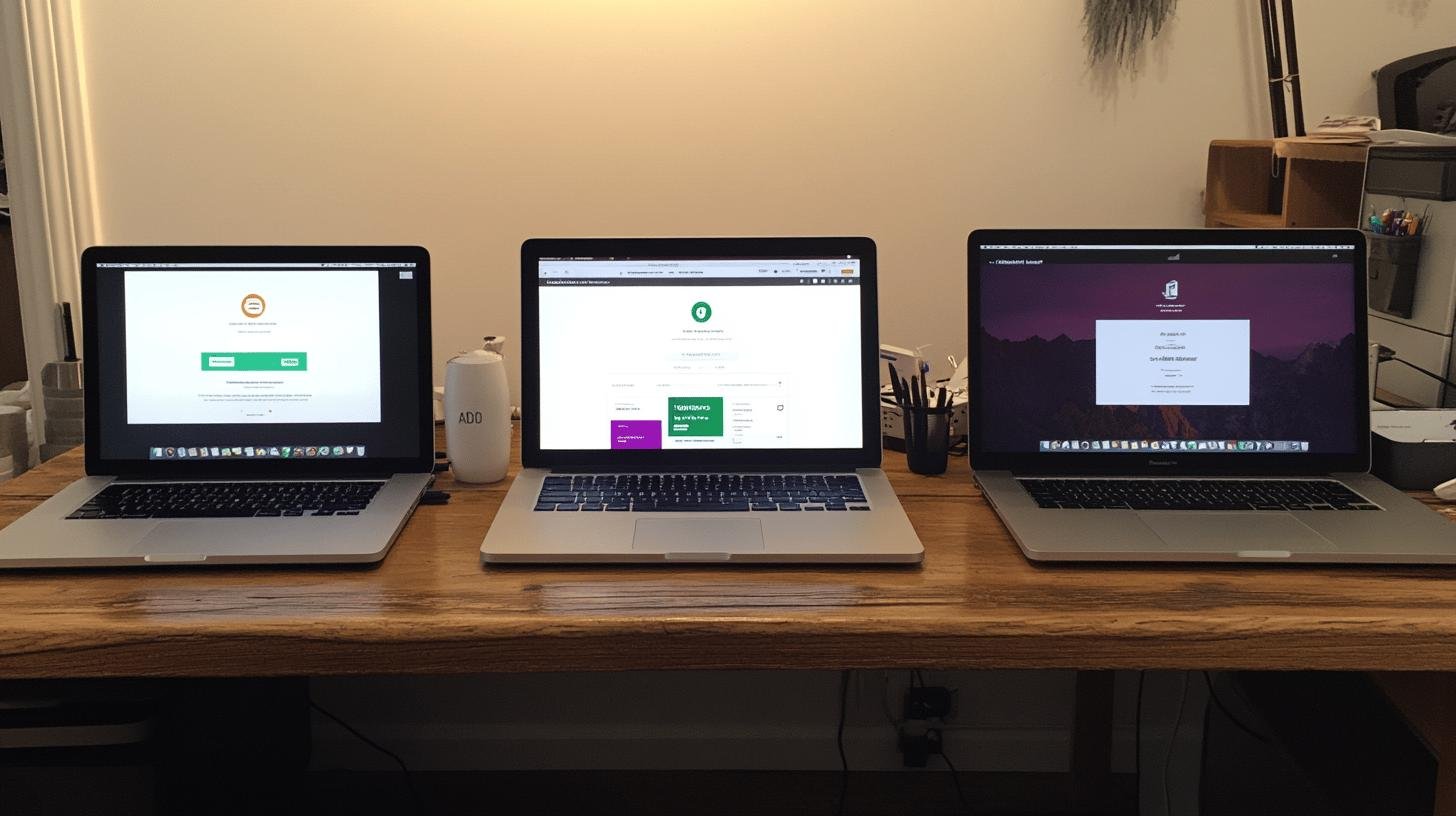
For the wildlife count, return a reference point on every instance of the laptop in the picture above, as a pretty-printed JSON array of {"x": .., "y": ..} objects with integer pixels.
[
  {"x": 244, "y": 405},
  {"x": 1182, "y": 395},
  {"x": 700, "y": 400}
]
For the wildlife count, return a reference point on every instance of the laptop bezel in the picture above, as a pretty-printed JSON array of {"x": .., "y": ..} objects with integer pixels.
[
  {"x": 96, "y": 465},
  {"x": 1167, "y": 463},
  {"x": 781, "y": 459}
]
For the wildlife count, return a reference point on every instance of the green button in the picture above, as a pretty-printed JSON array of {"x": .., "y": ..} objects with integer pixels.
[
  {"x": 695, "y": 416},
  {"x": 254, "y": 361}
]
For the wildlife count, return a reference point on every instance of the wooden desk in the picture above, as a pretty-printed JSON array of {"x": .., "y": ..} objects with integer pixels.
[{"x": 975, "y": 603}]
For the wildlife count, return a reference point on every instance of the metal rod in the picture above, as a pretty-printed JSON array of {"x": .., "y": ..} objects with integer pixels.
[
  {"x": 1272, "y": 59},
  {"x": 1292, "y": 63}
]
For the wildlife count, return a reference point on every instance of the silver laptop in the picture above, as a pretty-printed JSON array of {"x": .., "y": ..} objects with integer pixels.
[
  {"x": 244, "y": 405},
  {"x": 700, "y": 400},
  {"x": 1191, "y": 395}
]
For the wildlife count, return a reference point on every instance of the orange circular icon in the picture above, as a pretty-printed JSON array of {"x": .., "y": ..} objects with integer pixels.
[{"x": 253, "y": 305}]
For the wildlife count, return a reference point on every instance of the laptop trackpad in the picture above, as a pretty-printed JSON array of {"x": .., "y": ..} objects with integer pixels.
[
  {"x": 1236, "y": 532},
  {"x": 700, "y": 535}
]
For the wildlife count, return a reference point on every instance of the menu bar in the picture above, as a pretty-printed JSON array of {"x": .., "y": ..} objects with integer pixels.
[
  {"x": 1173, "y": 247},
  {"x": 323, "y": 265},
  {"x": 766, "y": 268}
]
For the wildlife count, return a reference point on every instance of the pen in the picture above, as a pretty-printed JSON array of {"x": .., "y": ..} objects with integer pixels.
[
  {"x": 918, "y": 413},
  {"x": 896, "y": 386},
  {"x": 922, "y": 419}
]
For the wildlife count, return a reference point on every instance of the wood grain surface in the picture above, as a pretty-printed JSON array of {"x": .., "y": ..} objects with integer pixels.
[{"x": 430, "y": 607}]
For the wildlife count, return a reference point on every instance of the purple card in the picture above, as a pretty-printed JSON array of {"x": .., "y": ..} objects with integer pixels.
[{"x": 636, "y": 434}]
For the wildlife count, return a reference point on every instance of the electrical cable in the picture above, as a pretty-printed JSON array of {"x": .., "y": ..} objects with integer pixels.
[
  {"x": 843, "y": 759},
  {"x": 1173, "y": 744},
  {"x": 885, "y": 700},
  {"x": 1218, "y": 701},
  {"x": 1137, "y": 733},
  {"x": 408, "y": 775},
  {"x": 1384, "y": 353},
  {"x": 1431, "y": 374},
  {"x": 955, "y": 775}
]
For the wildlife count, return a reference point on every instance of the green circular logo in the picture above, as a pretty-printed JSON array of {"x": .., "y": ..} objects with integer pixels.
[{"x": 702, "y": 311}]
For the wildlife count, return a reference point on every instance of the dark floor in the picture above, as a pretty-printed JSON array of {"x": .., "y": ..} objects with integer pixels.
[
  {"x": 709, "y": 793},
  {"x": 1292, "y": 744},
  {"x": 650, "y": 793}
]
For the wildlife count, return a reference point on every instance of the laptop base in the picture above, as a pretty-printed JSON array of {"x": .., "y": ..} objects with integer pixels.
[
  {"x": 521, "y": 535},
  {"x": 1404, "y": 531},
  {"x": 45, "y": 538}
]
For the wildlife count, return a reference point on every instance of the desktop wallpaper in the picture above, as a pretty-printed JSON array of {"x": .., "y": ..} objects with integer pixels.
[{"x": 1038, "y": 340}]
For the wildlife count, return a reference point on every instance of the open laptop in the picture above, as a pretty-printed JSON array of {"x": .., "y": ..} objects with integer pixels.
[
  {"x": 1182, "y": 395},
  {"x": 244, "y": 405},
  {"x": 700, "y": 400}
]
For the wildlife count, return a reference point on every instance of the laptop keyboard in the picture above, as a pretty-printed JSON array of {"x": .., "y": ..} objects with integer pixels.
[
  {"x": 1195, "y": 494},
  {"x": 228, "y": 500},
  {"x": 703, "y": 492}
]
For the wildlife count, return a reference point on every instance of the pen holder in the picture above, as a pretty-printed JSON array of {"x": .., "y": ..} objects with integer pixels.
[
  {"x": 927, "y": 439},
  {"x": 1393, "y": 264}
]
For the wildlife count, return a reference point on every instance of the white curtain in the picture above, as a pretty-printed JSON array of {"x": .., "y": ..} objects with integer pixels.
[{"x": 47, "y": 153}]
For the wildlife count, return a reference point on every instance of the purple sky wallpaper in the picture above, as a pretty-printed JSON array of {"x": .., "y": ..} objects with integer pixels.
[
  {"x": 1288, "y": 305},
  {"x": 1038, "y": 351}
]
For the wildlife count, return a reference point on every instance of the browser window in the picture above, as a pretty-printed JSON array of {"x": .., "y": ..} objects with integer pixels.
[
  {"x": 699, "y": 353},
  {"x": 252, "y": 346}
]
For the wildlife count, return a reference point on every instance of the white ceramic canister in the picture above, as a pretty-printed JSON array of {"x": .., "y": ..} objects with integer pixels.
[{"x": 477, "y": 416}]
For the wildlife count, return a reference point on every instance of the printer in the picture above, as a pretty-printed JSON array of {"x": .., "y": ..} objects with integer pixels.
[{"x": 1413, "y": 306}]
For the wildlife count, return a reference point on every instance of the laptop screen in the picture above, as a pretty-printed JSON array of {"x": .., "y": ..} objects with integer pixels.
[
  {"x": 699, "y": 351},
  {"x": 227, "y": 358},
  {"x": 1210, "y": 349}
]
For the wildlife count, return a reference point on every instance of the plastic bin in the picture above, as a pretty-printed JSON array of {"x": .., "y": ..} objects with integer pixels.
[{"x": 1392, "y": 268}]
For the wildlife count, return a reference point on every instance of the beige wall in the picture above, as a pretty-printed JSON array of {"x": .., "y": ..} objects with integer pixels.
[{"x": 468, "y": 126}]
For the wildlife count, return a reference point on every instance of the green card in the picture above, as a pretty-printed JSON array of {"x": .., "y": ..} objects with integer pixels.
[{"x": 694, "y": 416}]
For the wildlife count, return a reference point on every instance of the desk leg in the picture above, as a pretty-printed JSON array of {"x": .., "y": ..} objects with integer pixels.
[
  {"x": 1427, "y": 700},
  {"x": 1092, "y": 739}
]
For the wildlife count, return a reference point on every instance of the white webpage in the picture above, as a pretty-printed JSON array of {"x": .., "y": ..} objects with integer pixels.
[
  {"x": 252, "y": 346},
  {"x": 645, "y": 367},
  {"x": 1172, "y": 362}
]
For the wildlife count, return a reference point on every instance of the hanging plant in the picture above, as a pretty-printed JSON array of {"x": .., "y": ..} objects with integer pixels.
[{"x": 1117, "y": 29}]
